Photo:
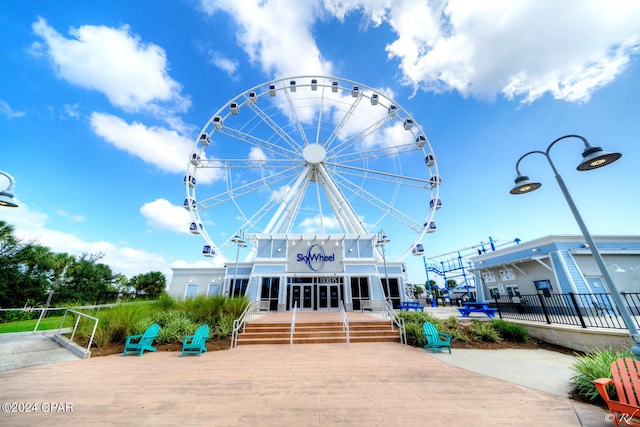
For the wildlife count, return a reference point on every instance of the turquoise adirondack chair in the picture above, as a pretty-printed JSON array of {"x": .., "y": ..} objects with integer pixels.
[
  {"x": 436, "y": 340},
  {"x": 142, "y": 342},
  {"x": 195, "y": 344}
]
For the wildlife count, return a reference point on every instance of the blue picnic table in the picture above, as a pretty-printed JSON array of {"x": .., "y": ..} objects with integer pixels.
[
  {"x": 411, "y": 305},
  {"x": 477, "y": 307}
]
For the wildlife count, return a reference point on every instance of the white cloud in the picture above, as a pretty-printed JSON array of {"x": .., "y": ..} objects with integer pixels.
[
  {"x": 70, "y": 217},
  {"x": 277, "y": 35},
  {"x": 520, "y": 50},
  {"x": 159, "y": 146},
  {"x": 315, "y": 224},
  {"x": 229, "y": 66},
  {"x": 131, "y": 74},
  {"x": 8, "y": 112},
  {"x": 163, "y": 215},
  {"x": 31, "y": 226}
]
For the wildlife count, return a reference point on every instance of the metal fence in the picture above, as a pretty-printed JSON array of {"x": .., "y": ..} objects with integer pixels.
[{"x": 585, "y": 310}]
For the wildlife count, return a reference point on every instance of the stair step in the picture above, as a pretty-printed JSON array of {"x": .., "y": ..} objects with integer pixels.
[{"x": 318, "y": 332}]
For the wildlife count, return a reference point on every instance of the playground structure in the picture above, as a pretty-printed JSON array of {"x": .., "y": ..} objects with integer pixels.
[{"x": 459, "y": 267}]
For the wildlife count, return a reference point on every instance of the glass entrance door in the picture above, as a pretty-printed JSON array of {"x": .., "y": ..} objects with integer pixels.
[
  {"x": 302, "y": 296},
  {"x": 328, "y": 297}
]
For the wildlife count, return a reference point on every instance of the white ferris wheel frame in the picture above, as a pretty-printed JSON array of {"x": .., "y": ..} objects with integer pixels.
[{"x": 294, "y": 159}]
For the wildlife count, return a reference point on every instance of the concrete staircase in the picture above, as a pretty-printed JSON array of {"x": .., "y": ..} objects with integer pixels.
[{"x": 318, "y": 332}]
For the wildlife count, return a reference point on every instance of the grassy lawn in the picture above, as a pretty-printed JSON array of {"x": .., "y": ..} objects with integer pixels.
[{"x": 29, "y": 325}]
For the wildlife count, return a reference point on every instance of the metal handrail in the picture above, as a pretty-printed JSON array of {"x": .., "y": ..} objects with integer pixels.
[
  {"x": 397, "y": 320},
  {"x": 75, "y": 327},
  {"x": 345, "y": 322},
  {"x": 240, "y": 322},
  {"x": 293, "y": 323}
]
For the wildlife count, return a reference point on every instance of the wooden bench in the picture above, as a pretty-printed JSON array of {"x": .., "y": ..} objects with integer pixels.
[
  {"x": 411, "y": 305},
  {"x": 477, "y": 307},
  {"x": 196, "y": 343},
  {"x": 625, "y": 373},
  {"x": 436, "y": 340},
  {"x": 142, "y": 342}
]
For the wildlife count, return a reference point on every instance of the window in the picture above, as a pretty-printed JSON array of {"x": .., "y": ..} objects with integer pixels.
[
  {"x": 213, "y": 289},
  {"x": 488, "y": 276},
  {"x": 514, "y": 292},
  {"x": 191, "y": 291},
  {"x": 238, "y": 287},
  {"x": 269, "y": 293},
  {"x": 493, "y": 292},
  {"x": 507, "y": 274},
  {"x": 358, "y": 249},
  {"x": 272, "y": 248},
  {"x": 359, "y": 292}
]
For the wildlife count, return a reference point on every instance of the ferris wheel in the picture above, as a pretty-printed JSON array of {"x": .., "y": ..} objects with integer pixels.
[{"x": 312, "y": 155}]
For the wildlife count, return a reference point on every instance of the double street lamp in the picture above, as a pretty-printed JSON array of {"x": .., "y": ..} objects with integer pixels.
[
  {"x": 382, "y": 240},
  {"x": 6, "y": 195},
  {"x": 238, "y": 240},
  {"x": 593, "y": 158}
]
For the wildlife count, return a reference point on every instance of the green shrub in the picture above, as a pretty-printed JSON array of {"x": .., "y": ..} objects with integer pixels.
[
  {"x": 510, "y": 331},
  {"x": 235, "y": 306},
  {"x": 415, "y": 335},
  {"x": 483, "y": 331},
  {"x": 591, "y": 366},
  {"x": 224, "y": 328},
  {"x": 175, "y": 329},
  {"x": 205, "y": 308},
  {"x": 166, "y": 302}
]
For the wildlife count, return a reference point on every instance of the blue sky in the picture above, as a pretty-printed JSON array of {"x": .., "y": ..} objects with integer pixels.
[{"x": 101, "y": 102}]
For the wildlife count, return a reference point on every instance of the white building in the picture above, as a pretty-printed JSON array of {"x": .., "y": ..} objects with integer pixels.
[
  {"x": 316, "y": 272},
  {"x": 557, "y": 264}
]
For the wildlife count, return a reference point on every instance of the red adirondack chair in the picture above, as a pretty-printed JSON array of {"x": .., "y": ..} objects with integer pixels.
[{"x": 626, "y": 377}]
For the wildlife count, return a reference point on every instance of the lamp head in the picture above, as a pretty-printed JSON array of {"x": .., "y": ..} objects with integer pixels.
[
  {"x": 6, "y": 200},
  {"x": 524, "y": 185},
  {"x": 6, "y": 194},
  {"x": 596, "y": 157}
]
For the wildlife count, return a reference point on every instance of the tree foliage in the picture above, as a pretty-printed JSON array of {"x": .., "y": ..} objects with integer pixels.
[{"x": 29, "y": 272}]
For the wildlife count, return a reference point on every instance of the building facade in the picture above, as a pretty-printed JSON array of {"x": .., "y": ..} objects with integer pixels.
[
  {"x": 557, "y": 264},
  {"x": 310, "y": 272}
]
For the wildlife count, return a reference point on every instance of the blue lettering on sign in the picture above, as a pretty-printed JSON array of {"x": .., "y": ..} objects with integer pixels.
[{"x": 315, "y": 258}]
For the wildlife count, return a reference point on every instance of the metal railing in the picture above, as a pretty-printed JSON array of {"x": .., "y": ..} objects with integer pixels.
[
  {"x": 240, "y": 323},
  {"x": 293, "y": 323},
  {"x": 345, "y": 322},
  {"x": 43, "y": 313},
  {"x": 584, "y": 310},
  {"x": 75, "y": 326},
  {"x": 396, "y": 320}
]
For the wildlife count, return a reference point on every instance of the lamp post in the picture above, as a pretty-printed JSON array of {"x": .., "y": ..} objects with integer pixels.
[
  {"x": 241, "y": 244},
  {"x": 382, "y": 239},
  {"x": 593, "y": 158},
  {"x": 6, "y": 196}
]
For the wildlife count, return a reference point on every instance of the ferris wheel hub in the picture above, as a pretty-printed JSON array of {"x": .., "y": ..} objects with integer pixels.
[{"x": 314, "y": 153}]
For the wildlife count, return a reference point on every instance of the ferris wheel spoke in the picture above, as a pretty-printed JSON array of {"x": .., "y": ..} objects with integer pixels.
[
  {"x": 381, "y": 176},
  {"x": 259, "y": 142},
  {"x": 262, "y": 183},
  {"x": 341, "y": 207},
  {"x": 248, "y": 164},
  {"x": 382, "y": 206},
  {"x": 373, "y": 153},
  {"x": 265, "y": 118},
  {"x": 358, "y": 139},
  {"x": 343, "y": 121}
]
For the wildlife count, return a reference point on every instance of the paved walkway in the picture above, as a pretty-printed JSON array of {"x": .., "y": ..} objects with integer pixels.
[
  {"x": 20, "y": 350},
  {"x": 368, "y": 384}
]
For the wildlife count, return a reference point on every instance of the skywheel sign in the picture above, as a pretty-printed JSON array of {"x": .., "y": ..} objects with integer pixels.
[{"x": 315, "y": 258}]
